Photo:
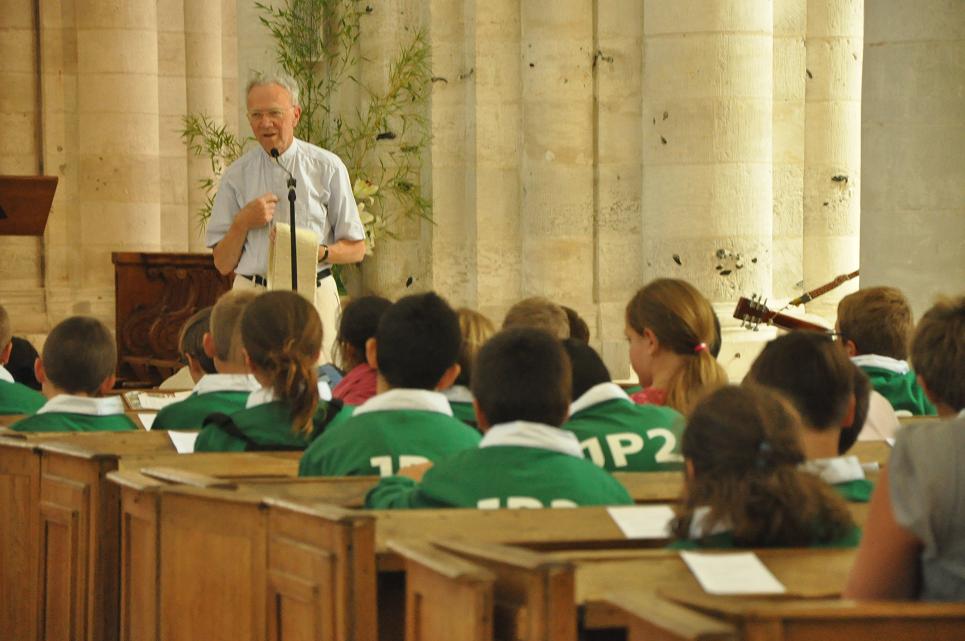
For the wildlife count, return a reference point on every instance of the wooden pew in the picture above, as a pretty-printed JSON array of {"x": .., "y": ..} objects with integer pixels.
[
  {"x": 446, "y": 596},
  {"x": 244, "y": 567},
  {"x": 65, "y": 580},
  {"x": 598, "y": 581},
  {"x": 831, "y": 620},
  {"x": 650, "y": 619}
]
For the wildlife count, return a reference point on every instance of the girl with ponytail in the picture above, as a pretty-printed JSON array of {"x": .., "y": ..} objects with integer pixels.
[
  {"x": 743, "y": 487},
  {"x": 673, "y": 339},
  {"x": 282, "y": 337}
]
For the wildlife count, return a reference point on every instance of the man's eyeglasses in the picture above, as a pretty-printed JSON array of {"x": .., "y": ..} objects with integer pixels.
[{"x": 272, "y": 114}]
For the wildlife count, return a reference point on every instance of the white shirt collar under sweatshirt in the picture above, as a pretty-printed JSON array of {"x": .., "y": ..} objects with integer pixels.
[
  {"x": 535, "y": 435},
  {"x": 405, "y": 399}
]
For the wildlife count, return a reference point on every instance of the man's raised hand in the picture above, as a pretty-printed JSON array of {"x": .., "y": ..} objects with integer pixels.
[{"x": 259, "y": 211}]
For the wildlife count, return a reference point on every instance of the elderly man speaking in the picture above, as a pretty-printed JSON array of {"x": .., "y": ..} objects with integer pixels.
[{"x": 251, "y": 187}]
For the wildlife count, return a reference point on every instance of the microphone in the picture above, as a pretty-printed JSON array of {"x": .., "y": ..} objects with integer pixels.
[{"x": 291, "y": 179}]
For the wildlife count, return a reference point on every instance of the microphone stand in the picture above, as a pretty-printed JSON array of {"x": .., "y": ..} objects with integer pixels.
[{"x": 291, "y": 218}]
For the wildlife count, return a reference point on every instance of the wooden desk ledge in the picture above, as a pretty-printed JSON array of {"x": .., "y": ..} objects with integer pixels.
[
  {"x": 651, "y": 618},
  {"x": 186, "y": 477},
  {"x": 781, "y": 607},
  {"x": 424, "y": 553}
]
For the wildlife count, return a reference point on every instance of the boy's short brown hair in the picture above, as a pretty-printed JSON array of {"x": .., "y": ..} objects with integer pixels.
[
  {"x": 225, "y": 325},
  {"x": 811, "y": 371},
  {"x": 523, "y": 374},
  {"x": 191, "y": 339},
  {"x": 878, "y": 320},
  {"x": 79, "y": 355},
  {"x": 938, "y": 351},
  {"x": 540, "y": 313}
]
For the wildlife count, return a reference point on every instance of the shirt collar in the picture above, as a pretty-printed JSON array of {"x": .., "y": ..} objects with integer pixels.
[
  {"x": 882, "y": 362},
  {"x": 839, "y": 469},
  {"x": 263, "y": 395},
  {"x": 535, "y": 435},
  {"x": 226, "y": 383},
  {"x": 597, "y": 394},
  {"x": 6, "y": 376},
  {"x": 68, "y": 404},
  {"x": 458, "y": 394},
  {"x": 405, "y": 399}
]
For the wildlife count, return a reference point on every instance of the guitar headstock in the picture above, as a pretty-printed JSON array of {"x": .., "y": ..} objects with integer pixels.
[{"x": 752, "y": 312}]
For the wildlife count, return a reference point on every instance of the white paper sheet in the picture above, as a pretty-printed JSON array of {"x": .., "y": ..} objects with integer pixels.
[
  {"x": 890, "y": 441},
  {"x": 155, "y": 401},
  {"x": 643, "y": 521},
  {"x": 183, "y": 441},
  {"x": 732, "y": 573},
  {"x": 147, "y": 420}
]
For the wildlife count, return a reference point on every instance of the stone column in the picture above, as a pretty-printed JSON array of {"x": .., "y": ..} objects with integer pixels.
[
  {"x": 21, "y": 273},
  {"x": 912, "y": 142},
  {"x": 399, "y": 266},
  {"x": 790, "y": 72},
  {"x": 172, "y": 103},
  {"x": 204, "y": 82},
  {"x": 618, "y": 59},
  {"x": 832, "y": 155},
  {"x": 110, "y": 116},
  {"x": 707, "y": 149},
  {"x": 557, "y": 174},
  {"x": 451, "y": 29},
  {"x": 496, "y": 119}
]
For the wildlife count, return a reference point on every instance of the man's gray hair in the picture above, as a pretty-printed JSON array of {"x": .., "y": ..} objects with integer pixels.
[{"x": 261, "y": 79}]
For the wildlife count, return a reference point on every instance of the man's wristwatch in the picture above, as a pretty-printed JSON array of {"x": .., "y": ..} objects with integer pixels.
[{"x": 324, "y": 254}]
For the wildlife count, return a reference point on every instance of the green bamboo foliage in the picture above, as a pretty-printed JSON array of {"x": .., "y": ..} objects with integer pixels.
[{"x": 381, "y": 140}]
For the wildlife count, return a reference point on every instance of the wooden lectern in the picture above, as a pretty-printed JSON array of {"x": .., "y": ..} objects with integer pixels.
[{"x": 25, "y": 204}]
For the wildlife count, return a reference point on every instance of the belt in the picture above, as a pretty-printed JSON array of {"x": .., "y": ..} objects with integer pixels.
[{"x": 260, "y": 280}]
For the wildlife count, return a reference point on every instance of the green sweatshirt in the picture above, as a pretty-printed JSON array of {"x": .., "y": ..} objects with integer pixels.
[
  {"x": 724, "y": 540},
  {"x": 267, "y": 427},
  {"x": 19, "y": 399},
  {"x": 619, "y": 435},
  {"x": 517, "y": 465},
  {"x": 894, "y": 380},
  {"x": 380, "y": 443},
  {"x": 190, "y": 413},
  {"x": 66, "y": 413}
]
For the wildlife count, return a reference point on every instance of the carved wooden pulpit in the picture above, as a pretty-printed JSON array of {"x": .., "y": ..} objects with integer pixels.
[{"x": 155, "y": 294}]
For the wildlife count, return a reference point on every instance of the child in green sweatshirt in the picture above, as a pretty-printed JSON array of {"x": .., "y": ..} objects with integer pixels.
[
  {"x": 75, "y": 370},
  {"x": 211, "y": 342},
  {"x": 415, "y": 350},
  {"x": 521, "y": 386},
  {"x": 14, "y": 397}
]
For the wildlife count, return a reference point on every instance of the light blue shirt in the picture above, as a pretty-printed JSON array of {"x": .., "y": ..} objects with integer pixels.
[{"x": 324, "y": 201}]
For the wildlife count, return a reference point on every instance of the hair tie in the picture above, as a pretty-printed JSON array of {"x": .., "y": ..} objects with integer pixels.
[
  {"x": 700, "y": 347},
  {"x": 763, "y": 458}
]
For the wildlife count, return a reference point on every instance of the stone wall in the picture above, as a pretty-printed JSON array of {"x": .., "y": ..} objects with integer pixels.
[
  {"x": 95, "y": 92},
  {"x": 577, "y": 152},
  {"x": 912, "y": 142}
]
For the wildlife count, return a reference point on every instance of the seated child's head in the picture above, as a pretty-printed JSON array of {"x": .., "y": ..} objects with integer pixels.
[
  {"x": 476, "y": 329},
  {"x": 578, "y": 327},
  {"x": 78, "y": 358},
  {"x": 813, "y": 373},
  {"x": 282, "y": 337},
  {"x": 876, "y": 320},
  {"x": 417, "y": 344},
  {"x": 938, "y": 355},
  {"x": 522, "y": 374},
  {"x": 742, "y": 449},
  {"x": 191, "y": 344},
  {"x": 587, "y": 367},
  {"x": 6, "y": 336},
  {"x": 223, "y": 340},
  {"x": 671, "y": 329},
  {"x": 360, "y": 319},
  {"x": 540, "y": 313}
]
